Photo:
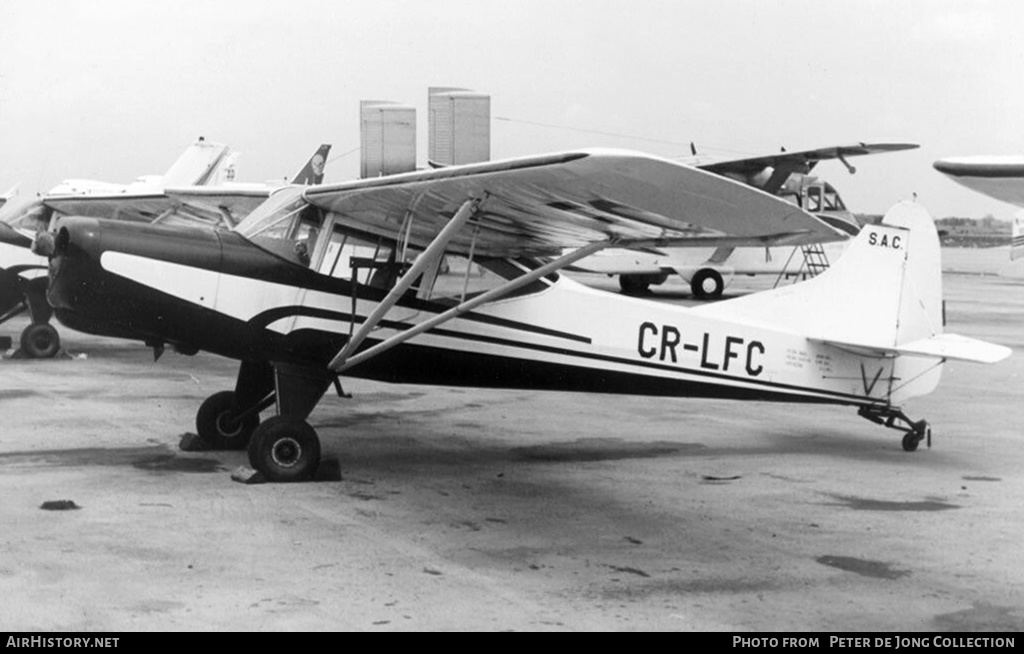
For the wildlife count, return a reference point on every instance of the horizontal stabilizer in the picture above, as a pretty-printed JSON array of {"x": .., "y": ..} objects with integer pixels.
[
  {"x": 939, "y": 346},
  {"x": 954, "y": 346}
]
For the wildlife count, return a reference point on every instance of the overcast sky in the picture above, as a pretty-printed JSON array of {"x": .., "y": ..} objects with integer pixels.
[{"x": 111, "y": 89}]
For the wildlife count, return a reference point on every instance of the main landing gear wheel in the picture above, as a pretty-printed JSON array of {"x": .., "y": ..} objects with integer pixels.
[
  {"x": 40, "y": 341},
  {"x": 285, "y": 449},
  {"x": 217, "y": 426},
  {"x": 633, "y": 284},
  {"x": 920, "y": 431},
  {"x": 706, "y": 284}
]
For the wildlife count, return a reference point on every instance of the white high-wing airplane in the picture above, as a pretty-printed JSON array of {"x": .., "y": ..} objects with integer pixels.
[
  {"x": 144, "y": 200},
  {"x": 999, "y": 177},
  {"x": 198, "y": 189},
  {"x": 867, "y": 333},
  {"x": 709, "y": 270}
]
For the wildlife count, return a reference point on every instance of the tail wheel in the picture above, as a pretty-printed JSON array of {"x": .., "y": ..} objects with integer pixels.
[
  {"x": 707, "y": 284},
  {"x": 910, "y": 441},
  {"x": 217, "y": 426},
  {"x": 285, "y": 449},
  {"x": 40, "y": 341},
  {"x": 920, "y": 431}
]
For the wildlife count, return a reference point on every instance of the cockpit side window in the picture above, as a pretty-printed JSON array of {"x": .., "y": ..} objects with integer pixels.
[
  {"x": 832, "y": 200},
  {"x": 813, "y": 199}
]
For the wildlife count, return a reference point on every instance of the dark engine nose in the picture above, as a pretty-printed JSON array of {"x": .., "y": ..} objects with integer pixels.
[{"x": 90, "y": 293}]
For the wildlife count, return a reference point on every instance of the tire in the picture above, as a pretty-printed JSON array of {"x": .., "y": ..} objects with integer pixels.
[
  {"x": 910, "y": 441},
  {"x": 633, "y": 284},
  {"x": 707, "y": 284},
  {"x": 285, "y": 450},
  {"x": 40, "y": 341},
  {"x": 216, "y": 428}
]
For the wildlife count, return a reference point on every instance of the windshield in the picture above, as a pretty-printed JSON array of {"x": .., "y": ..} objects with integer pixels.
[
  {"x": 277, "y": 217},
  {"x": 285, "y": 224}
]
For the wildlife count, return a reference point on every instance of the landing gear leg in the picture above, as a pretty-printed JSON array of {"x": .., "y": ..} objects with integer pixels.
[
  {"x": 913, "y": 431},
  {"x": 226, "y": 420},
  {"x": 285, "y": 447},
  {"x": 39, "y": 340}
]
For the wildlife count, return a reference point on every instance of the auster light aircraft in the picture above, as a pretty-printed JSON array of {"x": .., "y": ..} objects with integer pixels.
[
  {"x": 868, "y": 333},
  {"x": 708, "y": 270},
  {"x": 204, "y": 195}
]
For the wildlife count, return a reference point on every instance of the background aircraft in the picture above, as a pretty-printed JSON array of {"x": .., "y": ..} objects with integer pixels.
[
  {"x": 298, "y": 323},
  {"x": 144, "y": 200},
  {"x": 999, "y": 177},
  {"x": 785, "y": 174},
  {"x": 210, "y": 198}
]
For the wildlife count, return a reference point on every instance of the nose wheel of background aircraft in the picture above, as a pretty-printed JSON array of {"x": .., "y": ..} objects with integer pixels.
[
  {"x": 219, "y": 425},
  {"x": 285, "y": 449}
]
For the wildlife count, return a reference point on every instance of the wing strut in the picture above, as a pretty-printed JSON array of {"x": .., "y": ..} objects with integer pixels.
[
  {"x": 428, "y": 257},
  {"x": 846, "y": 163},
  {"x": 167, "y": 213},
  {"x": 341, "y": 363}
]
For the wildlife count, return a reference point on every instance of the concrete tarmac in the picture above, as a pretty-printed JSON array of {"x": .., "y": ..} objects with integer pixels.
[{"x": 465, "y": 509}]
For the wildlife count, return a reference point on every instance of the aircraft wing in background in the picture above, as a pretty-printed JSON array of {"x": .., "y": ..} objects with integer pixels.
[
  {"x": 999, "y": 177},
  {"x": 770, "y": 172}
]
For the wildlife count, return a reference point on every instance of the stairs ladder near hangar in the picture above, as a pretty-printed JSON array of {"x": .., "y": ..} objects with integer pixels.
[{"x": 815, "y": 262}]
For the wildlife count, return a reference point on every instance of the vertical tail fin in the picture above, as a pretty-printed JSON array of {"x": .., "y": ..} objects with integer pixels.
[
  {"x": 313, "y": 171},
  {"x": 197, "y": 165},
  {"x": 886, "y": 289},
  {"x": 882, "y": 299}
]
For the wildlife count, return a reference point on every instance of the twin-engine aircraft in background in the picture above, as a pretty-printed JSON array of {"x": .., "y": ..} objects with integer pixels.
[
  {"x": 999, "y": 177},
  {"x": 709, "y": 270},
  {"x": 317, "y": 284},
  {"x": 198, "y": 189}
]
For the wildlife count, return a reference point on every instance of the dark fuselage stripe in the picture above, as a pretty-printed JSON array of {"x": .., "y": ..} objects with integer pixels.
[{"x": 493, "y": 340}]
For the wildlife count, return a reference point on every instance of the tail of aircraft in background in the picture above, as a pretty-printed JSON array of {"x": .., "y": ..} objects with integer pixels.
[
  {"x": 313, "y": 171},
  {"x": 198, "y": 165}
]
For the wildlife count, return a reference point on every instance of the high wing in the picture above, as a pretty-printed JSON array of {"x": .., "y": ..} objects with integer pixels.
[
  {"x": 782, "y": 164},
  {"x": 540, "y": 205},
  {"x": 999, "y": 177}
]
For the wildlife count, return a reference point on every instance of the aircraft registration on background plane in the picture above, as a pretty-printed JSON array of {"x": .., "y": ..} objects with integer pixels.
[
  {"x": 709, "y": 270},
  {"x": 999, "y": 177},
  {"x": 196, "y": 190},
  {"x": 868, "y": 333}
]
